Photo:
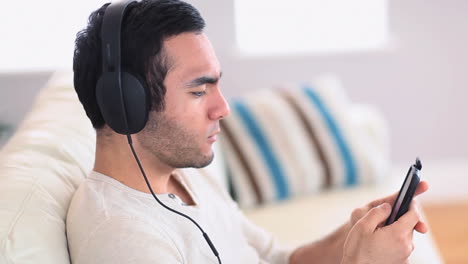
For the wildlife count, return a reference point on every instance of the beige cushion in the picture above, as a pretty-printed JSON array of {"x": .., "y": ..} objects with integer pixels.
[{"x": 40, "y": 168}]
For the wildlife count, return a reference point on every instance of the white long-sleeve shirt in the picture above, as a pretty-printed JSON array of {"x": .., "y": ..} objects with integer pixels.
[{"x": 109, "y": 222}]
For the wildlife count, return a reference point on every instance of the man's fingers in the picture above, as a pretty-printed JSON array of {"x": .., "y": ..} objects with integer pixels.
[
  {"x": 388, "y": 199},
  {"x": 421, "y": 227},
  {"x": 423, "y": 186},
  {"x": 375, "y": 217},
  {"x": 360, "y": 212},
  {"x": 409, "y": 220}
]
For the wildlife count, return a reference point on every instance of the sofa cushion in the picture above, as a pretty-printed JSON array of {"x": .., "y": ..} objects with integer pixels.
[
  {"x": 40, "y": 168},
  {"x": 281, "y": 143}
]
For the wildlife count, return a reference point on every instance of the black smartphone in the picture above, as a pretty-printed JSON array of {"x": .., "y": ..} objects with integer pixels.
[{"x": 403, "y": 200}]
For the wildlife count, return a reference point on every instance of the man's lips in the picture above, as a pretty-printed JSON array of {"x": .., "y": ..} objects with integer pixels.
[
  {"x": 214, "y": 134},
  {"x": 213, "y": 137}
]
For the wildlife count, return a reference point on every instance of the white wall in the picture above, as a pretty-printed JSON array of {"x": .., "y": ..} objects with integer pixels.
[
  {"x": 17, "y": 93},
  {"x": 419, "y": 85}
]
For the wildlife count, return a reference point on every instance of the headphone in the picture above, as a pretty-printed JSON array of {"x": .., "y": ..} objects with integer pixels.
[{"x": 122, "y": 98}]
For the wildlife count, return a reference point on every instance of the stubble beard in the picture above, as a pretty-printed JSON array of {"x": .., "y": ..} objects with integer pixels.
[{"x": 171, "y": 143}]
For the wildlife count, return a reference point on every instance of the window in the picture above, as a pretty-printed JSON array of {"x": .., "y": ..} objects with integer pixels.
[{"x": 274, "y": 27}]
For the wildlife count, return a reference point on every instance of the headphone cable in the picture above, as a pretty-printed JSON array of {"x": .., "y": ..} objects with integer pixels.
[{"x": 205, "y": 235}]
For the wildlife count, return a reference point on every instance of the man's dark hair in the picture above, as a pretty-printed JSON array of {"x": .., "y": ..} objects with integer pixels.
[{"x": 145, "y": 26}]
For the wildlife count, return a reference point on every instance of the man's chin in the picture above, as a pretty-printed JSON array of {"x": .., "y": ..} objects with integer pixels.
[
  {"x": 194, "y": 160},
  {"x": 207, "y": 160}
]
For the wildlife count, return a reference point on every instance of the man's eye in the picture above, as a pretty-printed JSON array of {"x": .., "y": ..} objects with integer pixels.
[{"x": 198, "y": 94}]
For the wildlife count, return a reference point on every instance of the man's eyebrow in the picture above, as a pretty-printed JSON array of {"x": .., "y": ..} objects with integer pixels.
[{"x": 203, "y": 80}]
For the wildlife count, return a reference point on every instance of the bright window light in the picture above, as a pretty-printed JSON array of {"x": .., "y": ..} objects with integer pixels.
[
  {"x": 274, "y": 27},
  {"x": 40, "y": 35}
]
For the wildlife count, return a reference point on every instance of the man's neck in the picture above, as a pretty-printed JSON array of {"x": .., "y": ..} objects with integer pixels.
[{"x": 114, "y": 158}]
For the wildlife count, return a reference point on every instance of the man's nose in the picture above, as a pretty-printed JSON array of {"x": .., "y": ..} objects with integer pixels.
[{"x": 221, "y": 108}]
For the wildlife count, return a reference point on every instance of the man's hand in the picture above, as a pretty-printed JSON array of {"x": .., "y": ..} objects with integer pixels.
[
  {"x": 358, "y": 213},
  {"x": 364, "y": 235},
  {"x": 370, "y": 242}
]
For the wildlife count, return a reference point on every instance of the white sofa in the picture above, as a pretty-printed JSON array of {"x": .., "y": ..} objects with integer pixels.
[{"x": 53, "y": 150}]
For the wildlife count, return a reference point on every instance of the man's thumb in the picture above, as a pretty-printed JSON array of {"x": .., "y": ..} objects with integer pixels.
[{"x": 377, "y": 216}]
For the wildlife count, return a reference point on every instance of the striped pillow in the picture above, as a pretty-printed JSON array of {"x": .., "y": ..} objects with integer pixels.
[{"x": 280, "y": 143}]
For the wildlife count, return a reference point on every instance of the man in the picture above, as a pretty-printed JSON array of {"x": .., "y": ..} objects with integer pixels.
[{"x": 114, "y": 219}]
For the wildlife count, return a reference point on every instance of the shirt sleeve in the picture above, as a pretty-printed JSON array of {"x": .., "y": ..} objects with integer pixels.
[{"x": 133, "y": 241}]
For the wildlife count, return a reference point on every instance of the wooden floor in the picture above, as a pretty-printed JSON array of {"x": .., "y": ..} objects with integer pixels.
[{"x": 449, "y": 226}]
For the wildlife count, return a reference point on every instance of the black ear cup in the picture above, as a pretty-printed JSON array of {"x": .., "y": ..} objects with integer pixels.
[
  {"x": 136, "y": 102},
  {"x": 134, "y": 96},
  {"x": 121, "y": 97}
]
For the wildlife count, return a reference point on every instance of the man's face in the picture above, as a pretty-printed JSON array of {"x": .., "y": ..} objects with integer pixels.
[{"x": 182, "y": 135}]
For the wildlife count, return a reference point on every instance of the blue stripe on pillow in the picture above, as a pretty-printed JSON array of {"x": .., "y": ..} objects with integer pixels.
[
  {"x": 351, "y": 177},
  {"x": 282, "y": 189}
]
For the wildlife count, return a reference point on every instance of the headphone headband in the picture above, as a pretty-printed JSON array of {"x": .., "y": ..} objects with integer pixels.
[{"x": 110, "y": 35}]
